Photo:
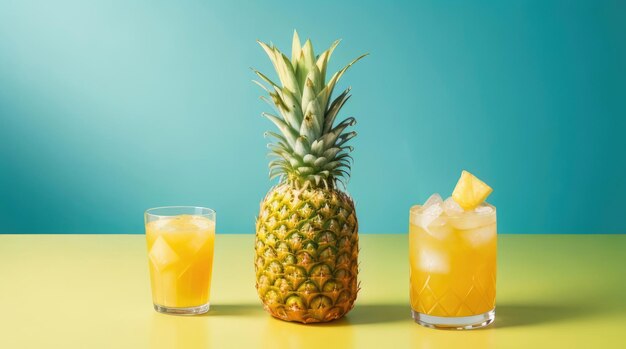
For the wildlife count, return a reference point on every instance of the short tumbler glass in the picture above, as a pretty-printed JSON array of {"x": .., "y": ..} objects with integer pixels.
[
  {"x": 180, "y": 252},
  {"x": 453, "y": 268}
]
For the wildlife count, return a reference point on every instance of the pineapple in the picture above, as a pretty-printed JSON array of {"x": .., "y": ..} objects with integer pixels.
[
  {"x": 307, "y": 230},
  {"x": 470, "y": 191}
]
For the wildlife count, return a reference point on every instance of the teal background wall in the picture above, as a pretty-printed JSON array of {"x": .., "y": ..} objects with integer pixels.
[{"x": 110, "y": 107}]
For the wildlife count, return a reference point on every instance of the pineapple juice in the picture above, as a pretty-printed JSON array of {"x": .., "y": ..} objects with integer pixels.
[
  {"x": 452, "y": 260},
  {"x": 180, "y": 250}
]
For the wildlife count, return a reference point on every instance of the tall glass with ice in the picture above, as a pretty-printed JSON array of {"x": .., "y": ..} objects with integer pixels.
[
  {"x": 453, "y": 264},
  {"x": 180, "y": 253}
]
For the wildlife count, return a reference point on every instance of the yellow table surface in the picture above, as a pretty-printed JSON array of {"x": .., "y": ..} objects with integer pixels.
[{"x": 92, "y": 291}]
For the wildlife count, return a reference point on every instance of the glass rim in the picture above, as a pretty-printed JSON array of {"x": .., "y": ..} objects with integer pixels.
[
  {"x": 206, "y": 211},
  {"x": 416, "y": 210}
]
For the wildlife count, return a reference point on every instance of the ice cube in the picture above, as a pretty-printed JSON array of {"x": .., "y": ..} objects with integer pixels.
[
  {"x": 422, "y": 216},
  {"x": 433, "y": 261},
  {"x": 199, "y": 239},
  {"x": 480, "y": 236},
  {"x": 439, "y": 228},
  {"x": 162, "y": 255},
  {"x": 468, "y": 221},
  {"x": 452, "y": 208},
  {"x": 202, "y": 223},
  {"x": 168, "y": 224},
  {"x": 428, "y": 215},
  {"x": 434, "y": 199},
  {"x": 158, "y": 224},
  {"x": 428, "y": 212},
  {"x": 201, "y": 229},
  {"x": 484, "y": 209}
]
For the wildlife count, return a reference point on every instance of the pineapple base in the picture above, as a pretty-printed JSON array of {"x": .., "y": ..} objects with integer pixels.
[{"x": 306, "y": 316}]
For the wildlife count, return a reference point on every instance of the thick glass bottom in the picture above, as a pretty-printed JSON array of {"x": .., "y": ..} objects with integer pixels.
[
  {"x": 455, "y": 323},
  {"x": 201, "y": 309}
]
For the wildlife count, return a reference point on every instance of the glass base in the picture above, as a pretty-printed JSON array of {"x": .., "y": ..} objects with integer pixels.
[
  {"x": 201, "y": 309},
  {"x": 455, "y": 323}
]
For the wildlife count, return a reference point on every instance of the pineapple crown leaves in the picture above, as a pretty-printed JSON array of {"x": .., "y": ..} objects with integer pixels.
[{"x": 310, "y": 147}]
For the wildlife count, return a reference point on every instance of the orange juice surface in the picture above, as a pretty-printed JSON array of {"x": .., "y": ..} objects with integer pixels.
[
  {"x": 180, "y": 250},
  {"x": 453, "y": 262}
]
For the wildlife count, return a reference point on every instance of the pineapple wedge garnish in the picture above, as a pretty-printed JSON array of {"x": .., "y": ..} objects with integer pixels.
[{"x": 470, "y": 191}]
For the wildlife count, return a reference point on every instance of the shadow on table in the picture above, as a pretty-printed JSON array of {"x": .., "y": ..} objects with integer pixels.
[
  {"x": 235, "y": 310},
  {"x": 513, "y": 315},
  {"x": 363, "y": 314},
  {"x": 507, "y": 315}
]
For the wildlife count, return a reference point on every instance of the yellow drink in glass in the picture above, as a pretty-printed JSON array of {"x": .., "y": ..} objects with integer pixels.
[
  {"x": 453, "y": 264},
  {"x": 180, "y": 252}
]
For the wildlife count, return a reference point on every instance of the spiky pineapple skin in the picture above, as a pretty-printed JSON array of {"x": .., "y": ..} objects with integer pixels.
[{"x": 307, "y": 253}]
